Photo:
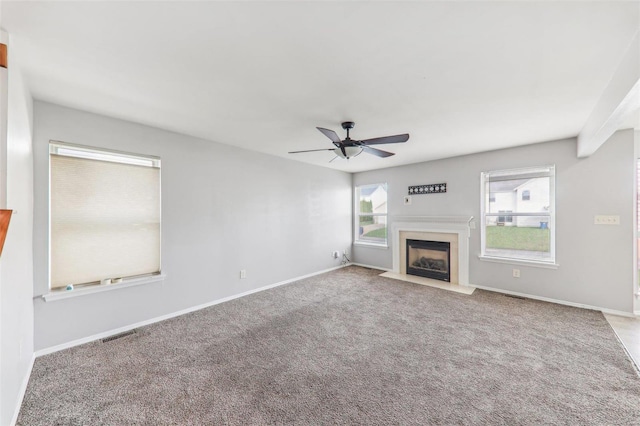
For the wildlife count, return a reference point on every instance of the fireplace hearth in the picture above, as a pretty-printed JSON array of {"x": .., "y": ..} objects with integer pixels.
[{"x": 429, "y": 259}]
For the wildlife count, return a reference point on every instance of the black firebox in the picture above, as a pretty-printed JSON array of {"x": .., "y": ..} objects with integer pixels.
[{"x": 429, "y": 259}]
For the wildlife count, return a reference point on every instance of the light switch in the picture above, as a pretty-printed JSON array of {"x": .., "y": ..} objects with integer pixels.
[{"x": 606, "y": 220}]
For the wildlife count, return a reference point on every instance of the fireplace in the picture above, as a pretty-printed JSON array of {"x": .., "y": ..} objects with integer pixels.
[
  {"x": 429, "y": 259},
  {"x": 454, "y": 230}
]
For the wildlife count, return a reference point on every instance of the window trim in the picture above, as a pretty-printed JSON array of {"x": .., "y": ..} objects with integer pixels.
[
  {"x": 60, "y": 294},
  {"x": 357, "y": 214},
  {"x": 484, "y": 204},
  {"x": 100, "y": 154},
  {"x": 93, "y": 153}
]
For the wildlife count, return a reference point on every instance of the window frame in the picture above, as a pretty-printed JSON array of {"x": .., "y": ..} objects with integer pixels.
[
  {"x": 107, "y": 155},
  {"x": 519, "y": 173},
  {"x": 357, "y": 214}
]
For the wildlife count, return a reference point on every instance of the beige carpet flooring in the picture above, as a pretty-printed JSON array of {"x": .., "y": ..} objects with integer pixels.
[{"x": 348, "y": 347}]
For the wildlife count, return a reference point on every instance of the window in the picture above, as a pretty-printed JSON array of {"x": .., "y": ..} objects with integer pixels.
[
  {"x": 527, "y": 232},
  {"x": 371, "y": 214},
  {"x": 104, "y": 215},
  {"x": 505, "y": 219}
]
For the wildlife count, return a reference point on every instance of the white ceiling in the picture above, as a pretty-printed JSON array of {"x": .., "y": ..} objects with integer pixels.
[{"x": 459, "y": 77}]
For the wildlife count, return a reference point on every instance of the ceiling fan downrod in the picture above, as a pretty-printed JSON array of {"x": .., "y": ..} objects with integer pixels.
[{"x": 348, "y": 125}]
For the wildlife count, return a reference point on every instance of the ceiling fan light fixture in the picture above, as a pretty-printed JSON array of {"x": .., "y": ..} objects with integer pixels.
[{"x": 352, "y": 151}]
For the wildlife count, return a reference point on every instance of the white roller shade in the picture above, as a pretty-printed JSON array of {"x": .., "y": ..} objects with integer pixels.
[{"x": 105, "y": 216}]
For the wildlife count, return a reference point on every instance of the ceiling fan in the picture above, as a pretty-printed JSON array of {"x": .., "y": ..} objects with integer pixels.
[{"x": 349, "y": 148}]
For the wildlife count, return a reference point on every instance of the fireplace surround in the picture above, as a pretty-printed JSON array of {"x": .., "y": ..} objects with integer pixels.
[{"x": 454, "y": 230}]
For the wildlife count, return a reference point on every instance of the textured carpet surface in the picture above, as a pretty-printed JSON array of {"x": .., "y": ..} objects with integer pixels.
[{"x": 347, "y": 347}]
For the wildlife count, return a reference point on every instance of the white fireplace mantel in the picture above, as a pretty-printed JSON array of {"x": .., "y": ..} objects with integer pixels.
[{"x": 460, "y": 225}]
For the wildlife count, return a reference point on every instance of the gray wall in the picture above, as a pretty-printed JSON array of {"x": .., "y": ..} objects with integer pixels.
[
  {"x": 223, "y": 209},
  {"x": 16, "y": 264},
  {"x": 595, "y": 262}
]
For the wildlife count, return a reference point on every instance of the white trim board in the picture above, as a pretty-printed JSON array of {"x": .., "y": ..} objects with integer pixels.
[
  {"x": 22, "y": 391},
  {"x": 557, "y": 301},
  {"x": 529, "y": 296},
  {"x": 370, "y": 266},
  {"x": 105, "y": 334},
  {"x": 52, "y": 296}
]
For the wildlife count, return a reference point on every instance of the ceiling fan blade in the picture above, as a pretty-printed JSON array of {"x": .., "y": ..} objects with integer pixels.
[
  {"x": 311, "y": 150},
  {"x": 343, "y": 151},
  {"x": 377, "y": 152},
  {"x": 330, "y": 134},
  {"x": 386, "y": 139}
]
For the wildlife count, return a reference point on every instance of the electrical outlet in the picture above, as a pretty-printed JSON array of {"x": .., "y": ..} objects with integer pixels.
[
  {"x": 516, "y": 273},
  {"x": 345, "y": 252},
  {"x": 243, "y": 273},
  {"x": 606, "y": 220},
  {"x": 336, "y": 254}
]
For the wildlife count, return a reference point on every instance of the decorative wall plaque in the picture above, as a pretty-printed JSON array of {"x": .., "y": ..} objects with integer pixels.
[{"x": 433, "y": 188}]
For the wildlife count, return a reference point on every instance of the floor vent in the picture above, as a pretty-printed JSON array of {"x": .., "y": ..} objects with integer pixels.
[{"x": 118, "y": 336}]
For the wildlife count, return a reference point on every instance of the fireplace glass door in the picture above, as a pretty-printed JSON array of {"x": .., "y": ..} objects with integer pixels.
[{"x": 429, "y": 259}]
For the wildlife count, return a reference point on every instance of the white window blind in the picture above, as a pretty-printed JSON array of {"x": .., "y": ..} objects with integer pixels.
[{"x": 104, "y": 215}]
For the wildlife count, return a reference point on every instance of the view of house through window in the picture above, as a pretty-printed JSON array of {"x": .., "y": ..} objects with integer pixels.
[
  {"x": 371, "y": 214},
  {"x": 104, "y": 215},
  {"x": 518, "y": 214}
]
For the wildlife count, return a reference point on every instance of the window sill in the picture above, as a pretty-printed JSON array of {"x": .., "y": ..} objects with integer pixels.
[
  {"x": 374, "y": 245},
  {"x": 52, "y": 296},
  {"x": 523, "y": 262}
]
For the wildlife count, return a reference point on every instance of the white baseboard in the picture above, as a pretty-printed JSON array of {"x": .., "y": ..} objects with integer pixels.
[
  {"x": 370, "y": 266},
  {"x": 22, "y": 391},
  {"x": 560, "y": 302},
  {"x": 105, "y": 334}
]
